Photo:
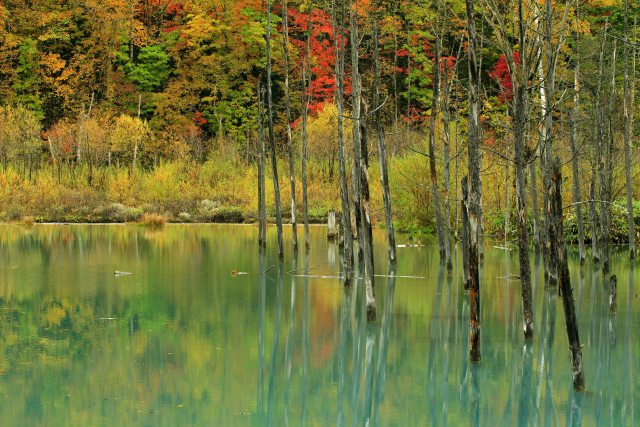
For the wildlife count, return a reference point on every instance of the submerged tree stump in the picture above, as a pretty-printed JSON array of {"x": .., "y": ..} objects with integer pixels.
[
  {"x": 565, "y": 280},
  {"x": 613, "y": 294},
  {"x": 332, "y": 226},
  {"x": 465, "y": 234}
]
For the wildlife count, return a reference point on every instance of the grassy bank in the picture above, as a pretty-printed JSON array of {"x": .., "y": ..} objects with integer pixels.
[{"x": 223, "y": 190}]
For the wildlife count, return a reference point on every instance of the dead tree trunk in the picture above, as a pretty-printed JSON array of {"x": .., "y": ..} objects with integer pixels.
[
  {"x": 262, "y": 208},
  {"x": 356, "y": 97},
  {"x": 287, "y": 102},
  {"x": 382, "y": 151},
  {"x": 565, "y": 280},
  {"x": 446, "y": 140},
  {"x": 613, "y": 294},
  {"x": 272, "y": 142},
  {"x": 520, "y": 118},
  {"x": 365, "y": 225},
  {"x": 600, "y": 156},
  {"x": 628, "y": 105},
  {"x": 303, "y": 137},
  {"x": 465, "y": 233},
  {"x": 473, "y": 211},
  {"x": 573, "y": 135},
  {"x": 592, "y": 216},
  {"x": 535, "y": 211},
  {"x": 435, "y": 194},
  {"x": 338, "y": 44}
]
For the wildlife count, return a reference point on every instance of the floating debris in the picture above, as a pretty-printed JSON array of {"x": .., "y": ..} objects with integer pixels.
[
  {"x": 238, "y": 273},
  {"x": 313, "y": 276},
  {"x": 121, "y": 273}
]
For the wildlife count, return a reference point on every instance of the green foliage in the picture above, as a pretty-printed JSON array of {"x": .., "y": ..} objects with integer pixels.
[
  {"x": 618, "y": 231},
  {"x": 27, "y": 84},
  {"x": 151, "y": 70}
]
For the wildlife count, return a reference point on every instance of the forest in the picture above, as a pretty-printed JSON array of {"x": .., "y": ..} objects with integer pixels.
[
  {"x": 510, "y": 120},
  {"x": 112, "y": 109}
]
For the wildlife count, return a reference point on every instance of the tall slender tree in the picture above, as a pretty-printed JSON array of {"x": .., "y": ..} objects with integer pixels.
[
  {"x": 287, "y": 102},
  {"x": 473, "y": 209},
  {"x": 306, "y": 75},
  {"x": 338, "y": 44},
  {"x": 445, "y": 255},
  {"x": 360, "y": 154},
  {"x": 272, "y": 142},
  {"x": 573, "y": 136},
  {"x": 627, "y": 106},
  {"x": 382, "y": 150},
  {"x": 262, "y": 208}
]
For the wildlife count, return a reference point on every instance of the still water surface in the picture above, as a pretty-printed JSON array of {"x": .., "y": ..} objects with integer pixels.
[{"x": 188, "y": 339}]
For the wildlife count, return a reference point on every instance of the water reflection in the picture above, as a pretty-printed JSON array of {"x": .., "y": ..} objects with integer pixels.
[{"x": 189, "y": 339}]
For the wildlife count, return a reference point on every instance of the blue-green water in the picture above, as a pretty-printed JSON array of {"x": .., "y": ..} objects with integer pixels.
[{"x": 187, "y": 339}]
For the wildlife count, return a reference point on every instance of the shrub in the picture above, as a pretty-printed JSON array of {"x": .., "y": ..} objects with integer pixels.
[
  {"x": 152, "y": 220},
  {"x": 117, "y": 212},
  {"x": 223, "y": 214}
]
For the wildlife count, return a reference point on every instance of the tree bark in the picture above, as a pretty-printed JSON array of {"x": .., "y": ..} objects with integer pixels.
[
  {"x": 473, "y": 211},
  {"x": 262, "y": 207},
  {"x": 446, "y": 142},
  {"x": 628, "y": 105},
  {"x": 573, "y": 135},
  {"x": 535, "y": 211},
  {"x": 365, "y": 224},
  {"x": 565, "y": 280},
  {"x": 287, "y": 102},
  {"x": 356, "y": 97},
  {"x": 435, "y": 194},
  {"x": 303, "y": 137},
  {"x": 592, "y": 217},
  {"x": 520, "y": 118},
  {"x": 272, "y": 143},
  {"x": 600, "y": 158},
  {"x": 382, "y": 151},
  {"x": 613, "y": 294},
  {"x": 465, "y": 233},
  {"x": 344, "y": 191}
]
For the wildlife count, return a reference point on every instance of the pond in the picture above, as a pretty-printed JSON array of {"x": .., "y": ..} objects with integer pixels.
[{"x": 189, "y": 339}]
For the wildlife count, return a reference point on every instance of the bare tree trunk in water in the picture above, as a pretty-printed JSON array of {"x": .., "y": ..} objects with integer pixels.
[
  {"x": 382, "y": 151},
  {"x": 446, "y": 118},
  {"x": 344, "y": 191},
  {"x": 262, "y": 208},
  {"x": 465, "y": 233},
  {"x": 292, "y": 179},
  {"x": 455, "y": 229},
  {"x": 361, "y": 164},
  {"x": 565, "y": 280},
  {"x": 573, "y": 135},
  {"x": 356, "y": 97},
  {"x": 474, "y": 185},
  {"x": 272, "y": 142},
  {"x": 507, "y": 210},
  {"x": 628, "y": 105},
  {"x": 602, "y": 173},
  {"x": 592, "y": 216},
  {"x": 365, "y": 225},
  {"x": 535, "y": 211},
  {"x": 303, "y": 137},
  {"x": 305, "y": 108},
  {"x": 435, "y": 194},
  {"x": 520, "y": 118}
]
